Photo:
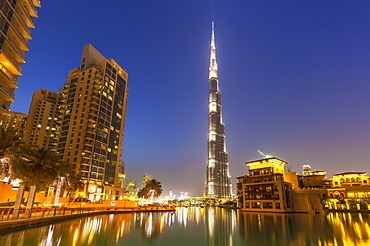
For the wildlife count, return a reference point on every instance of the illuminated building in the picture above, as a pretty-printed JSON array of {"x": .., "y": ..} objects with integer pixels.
[
  {"x": 146, "y": 178},
  {"x": 266, "y": 189},
  {"x": 92, "y": 116},
  {"x": 16, "y": 121},
  {"x": 16, "y": 20},
  {"x": 132, "y": 189},
  {"x": 122, "y": 174},
  {"x": 348, "y": 179},
  {"x": 218, "y": 181},
  {"x": 306, "y": 170},
  {"x": 350, "y": 185},
  {"x": 316, "y": 179},
  {"x": 41, "y": 124}
]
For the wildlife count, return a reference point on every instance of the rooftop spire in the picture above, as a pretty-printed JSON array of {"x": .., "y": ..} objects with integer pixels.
[
  {"x": 213, "y": 63},
  {"x": 213, "y": 28}
]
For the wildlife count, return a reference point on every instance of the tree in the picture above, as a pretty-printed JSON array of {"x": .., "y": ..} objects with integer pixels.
[
  {"x": 38, "y": 169},
  {"x": 42, "y": 167},
  {"x": 151, "y": 185},
  {"x": 10, "y": 143},
  {"x": 68, "y": 179}
]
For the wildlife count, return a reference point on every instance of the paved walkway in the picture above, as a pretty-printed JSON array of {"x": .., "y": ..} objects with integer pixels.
[{"x": 54, "y": 215}]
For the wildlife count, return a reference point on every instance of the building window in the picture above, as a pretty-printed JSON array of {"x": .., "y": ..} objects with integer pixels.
[
  {"x": 267, "y": 205},
  {"x": 256, "y": 205}
]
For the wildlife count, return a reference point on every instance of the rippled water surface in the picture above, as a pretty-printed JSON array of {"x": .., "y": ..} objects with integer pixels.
[{"x": 201, "y": 226}]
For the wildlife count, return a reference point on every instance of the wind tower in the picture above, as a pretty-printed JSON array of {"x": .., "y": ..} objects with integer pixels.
[{"x": 218, "y": 181}]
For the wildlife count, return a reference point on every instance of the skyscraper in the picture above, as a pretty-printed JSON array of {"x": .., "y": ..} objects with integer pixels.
[
  {"x": 93, "y": 112},
  {"x": 218, "y": 181},
  {"x": 16, "y": 19},
  {"x": 16, "y": 121},
  {"x": 146, "y": 179},
  {"x": 41, "y": 124}
]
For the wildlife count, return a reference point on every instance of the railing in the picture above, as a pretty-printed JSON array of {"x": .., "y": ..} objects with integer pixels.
[
  {"x": 3, "y": 106},
  {"x": 6, "y": 214},
  {"x": 14, "y": 62},
  {"x": 7, "y": 91}
]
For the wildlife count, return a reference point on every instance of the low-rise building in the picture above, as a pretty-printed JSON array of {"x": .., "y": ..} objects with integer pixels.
[{"x": 266, "y": 189}]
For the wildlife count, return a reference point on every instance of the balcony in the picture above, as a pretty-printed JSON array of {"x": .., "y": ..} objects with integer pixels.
[
  {"x": 88, "y": 143},
  {"x": 17, "y": 50},
  {"x": 87, "y": 149},
  {"x": 19, "y": 14},
  {"x": 92, "y": 119},
  {"x": 31, "y": 7},
  {"x": 24, "y": 14},
  {"x": 90, "y": 130},
  {"x": 3, "y": 108},
  {"x": 9, "y": 75},
  {"x": 95, "y": 95},
  {"x": 14, "y": 31},
  {"x": 89, "y": 136},
  {"x": 94, "y": 102},
  {"x": 16, "y": 67},
  {"x": 8, "y": 93}
]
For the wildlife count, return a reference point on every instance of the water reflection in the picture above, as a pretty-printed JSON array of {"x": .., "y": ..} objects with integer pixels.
[{"x": 201, "y": 226}]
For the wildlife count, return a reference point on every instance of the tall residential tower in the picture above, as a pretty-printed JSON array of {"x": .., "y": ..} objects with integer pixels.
[
  {"x": 218, "y": 181},
  {"x": 41, "y": 123},
  {"x": 92, "y": 120},
  {"x": 16, "y": 20}
]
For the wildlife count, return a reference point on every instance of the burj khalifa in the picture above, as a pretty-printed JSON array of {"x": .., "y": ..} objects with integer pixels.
[{"x": 218, "y": 181}]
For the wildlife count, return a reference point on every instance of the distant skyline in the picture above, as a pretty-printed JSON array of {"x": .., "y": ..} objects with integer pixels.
[{"x": 294, "y": 78}]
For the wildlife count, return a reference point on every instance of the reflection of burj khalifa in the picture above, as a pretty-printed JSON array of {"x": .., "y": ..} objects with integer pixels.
[{"x": 218, "y": 183}]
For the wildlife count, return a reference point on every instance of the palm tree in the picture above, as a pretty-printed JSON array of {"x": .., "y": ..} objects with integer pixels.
[
  {"x": 41, "y": 167},
  {"x": 67, "y": 179},
  {"x": 151, "y": 185},
  {"x": 10, "y": 143}
]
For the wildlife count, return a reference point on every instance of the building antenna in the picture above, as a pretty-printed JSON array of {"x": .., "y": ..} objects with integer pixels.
[
  {"x": 213, "y": 10},
  {"x": 265, "y": 156}
]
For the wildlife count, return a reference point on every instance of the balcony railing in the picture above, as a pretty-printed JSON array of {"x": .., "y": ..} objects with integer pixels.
[
  {"x": 10, "y": 58},
  {"x": 3, "y": 107},
  {"x": 7, "y": 91}
]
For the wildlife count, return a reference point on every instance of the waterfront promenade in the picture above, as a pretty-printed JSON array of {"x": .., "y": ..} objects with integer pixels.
[{"x": 44, "y": 216}]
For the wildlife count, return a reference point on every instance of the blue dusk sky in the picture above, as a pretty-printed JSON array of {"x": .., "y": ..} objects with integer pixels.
[{"x": 294, "y": 78}]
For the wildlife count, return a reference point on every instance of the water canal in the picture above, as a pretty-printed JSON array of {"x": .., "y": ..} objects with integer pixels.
[{"x": 201, "y": 226}]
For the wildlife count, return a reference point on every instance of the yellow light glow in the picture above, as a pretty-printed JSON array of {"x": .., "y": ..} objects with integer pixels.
[
  {"x": 213, "y": 107},
  {"x": 75, "y": 237}
]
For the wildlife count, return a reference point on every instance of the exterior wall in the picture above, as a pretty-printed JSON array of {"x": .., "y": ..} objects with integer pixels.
[
  {"x": 308, "y": 201},
  {"x": 293, "y": 178},
  {"x": 314, "y": 181},
  {"x": 16, "y": 121},
  {"x": 268, "y": 197},
  {"x": 6, "y": 193},
  {"x": 42, "y": 125},
  {"x": 16, "y": 20},
  {"x": 92, "y": 117}
]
